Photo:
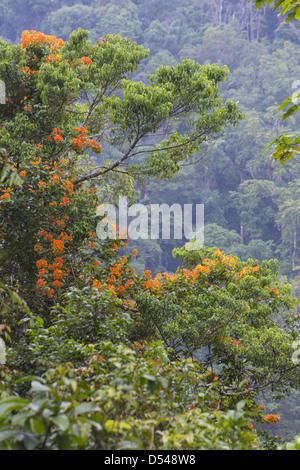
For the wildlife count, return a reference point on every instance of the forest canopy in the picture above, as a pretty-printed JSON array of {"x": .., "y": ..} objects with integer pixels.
[{"x": 120, "y": 344}]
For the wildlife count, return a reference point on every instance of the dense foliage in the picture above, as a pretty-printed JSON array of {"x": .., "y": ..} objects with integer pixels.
[{"x": 116, "y": 344}]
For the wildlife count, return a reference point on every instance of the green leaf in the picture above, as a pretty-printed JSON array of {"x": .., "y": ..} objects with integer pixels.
[
  {"x": 290, "y": 17},
  {"x": 9, "y": 404},
  {"x": 8, "y": 435},
  {"x": 284, "y": 104},
  {"x": 39, "y": 387},
  {"x": 153, "y": 385},
  {"x": 37, "y": 426},
  {"x": 84, "y": 408},
  {"x": 290, "y": 111},
  {"x": 31, "y": 442},
  {"x": 62, "y": 422},
  {"x": 259, "y": 3},
  {"x": 64, "y": 442}
]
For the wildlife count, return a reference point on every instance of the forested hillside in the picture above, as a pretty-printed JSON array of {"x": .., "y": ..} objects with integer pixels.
[{"x": 151, "y": 345}]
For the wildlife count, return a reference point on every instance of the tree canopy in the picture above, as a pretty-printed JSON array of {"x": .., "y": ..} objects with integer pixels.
[{"x": 102, "y": 352}]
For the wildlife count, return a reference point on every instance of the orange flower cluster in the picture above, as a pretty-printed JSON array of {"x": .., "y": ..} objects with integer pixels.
[
  {"x": 218, "y": 253},
  {"x": 36, "y": 162},
  {"x": 118, "y": 281},
  {"x": 232, "y": 342},
  {"x": 65, "y": 201},
  {"x": 211, "y": 376},
  {"x": 58, "y": 273},
  {"x": 274, "y": 291},
  {"x": 28, "y": 71},
  {"x": 69, "y": 186},
  {"x": 59, "y": 223},
  {"x": 55, "y": 178},
  {"x": 270, "y": 419},
  {"x": 37, "y": 38},
  {"x": 57, "y": 135},
  {"x": 152, "y": 284},
  {"x": 81, "y": 140},
  {"x": 97, "y": 284},
  {"x": 248, "y": 270},
  {"x": 56, "y": 267},
  {"x": 41, "y": 185},
  {"x": 57, "y": 244},
  {"x": 228, "y": 261},
  {"x": 220, "y": 262},
  {"x": 6, "y": 195},
  {"x": 86, "y": 61},
  {"x": 186, "y": 275},
  {"x": 53, "y": 58}
]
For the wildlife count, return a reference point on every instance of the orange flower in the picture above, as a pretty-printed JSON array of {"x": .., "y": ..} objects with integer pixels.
[
  {"x": 37, "y": 162},
  {"x": 65, "y": 201},
  {"x": 96, "y": 284},
  {"x": 274, "y": 291},
  {"x": 38, "y": 247},
  {"x": 26, "y": 69},
  {"x": 40, "y": 283},
  {"x": 78, "y": 143},
  {"x": 50, "y": 292},
  {"x": 272, "y": 418},
  {"x": 41, "y": 184},
  {"x": 23, "y": 173},
  {"x": 56, "y": 283},
  {"x": 86, "y": 60},
  {"x": 217, "y": 253},
  {"x": 58, "y": 246},
  {"x": 82, "y": 130},
  {"x": 243, "y": 272},
  {"x": 5, "y": 196},
  {"x": 32, "y": 37},
  {"x": 41, "y": 263},
  {"x": 55, "y": 178},
  {"x": 53, "y": 58},
  {"x": 120, "y": 289},
  {"x": 69, "y": 185},
  {"x": 128, "y": 283},
  {"x": 59, "y": 262}
]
